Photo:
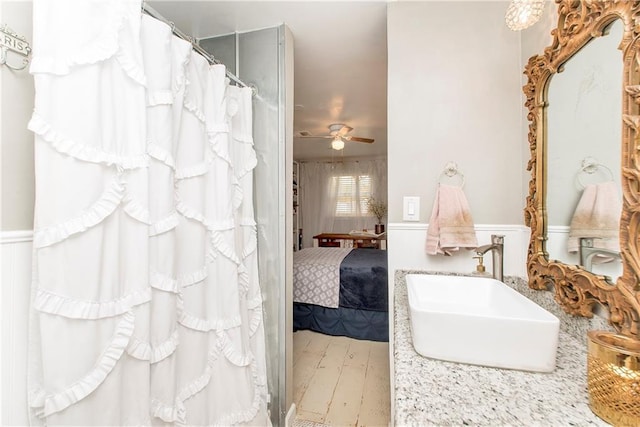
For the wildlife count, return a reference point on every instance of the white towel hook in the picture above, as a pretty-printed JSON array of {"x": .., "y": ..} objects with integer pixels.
[
  {"x": 590, "y": 166},
  {"x": 451, "y": 170}
]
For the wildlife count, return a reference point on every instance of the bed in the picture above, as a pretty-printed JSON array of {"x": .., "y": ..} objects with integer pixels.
[{"x": 341, "y": 291}]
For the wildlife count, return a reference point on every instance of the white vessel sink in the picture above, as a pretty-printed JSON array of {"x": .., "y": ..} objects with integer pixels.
[{"x": 480, "y": 321}]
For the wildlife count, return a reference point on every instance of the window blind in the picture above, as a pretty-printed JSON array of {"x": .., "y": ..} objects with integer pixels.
[{"x": 352, "y": 193}]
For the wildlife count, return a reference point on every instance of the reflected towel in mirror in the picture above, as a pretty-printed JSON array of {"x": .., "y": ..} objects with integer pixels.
[
  {"x": 451, "y": 224},
  {"x": 597, "y": 216}
]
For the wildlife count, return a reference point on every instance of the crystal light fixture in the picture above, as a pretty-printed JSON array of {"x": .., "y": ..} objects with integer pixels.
[
  {"x": 522, "y": 14},
  {"x": 337, "y": 143}
]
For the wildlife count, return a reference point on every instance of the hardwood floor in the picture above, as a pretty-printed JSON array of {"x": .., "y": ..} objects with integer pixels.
[{"x": 340, "y": 381}]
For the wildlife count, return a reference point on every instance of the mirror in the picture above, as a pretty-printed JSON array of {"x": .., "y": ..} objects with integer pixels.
[
  {"x": 581, "y": 28},
  {"x": 584, "y": 117}
]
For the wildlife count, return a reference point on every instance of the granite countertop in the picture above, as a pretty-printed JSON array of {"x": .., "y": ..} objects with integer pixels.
[{"x": 433, "y": 392}]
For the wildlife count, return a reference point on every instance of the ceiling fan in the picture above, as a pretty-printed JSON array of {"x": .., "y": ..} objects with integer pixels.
[{"x": 338, "y": 133}]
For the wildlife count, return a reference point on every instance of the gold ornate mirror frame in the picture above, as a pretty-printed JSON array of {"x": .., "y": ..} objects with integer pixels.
[{"x": 576, "y": 289}]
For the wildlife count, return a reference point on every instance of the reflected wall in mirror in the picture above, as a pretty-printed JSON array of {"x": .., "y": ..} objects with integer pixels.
[
  {"x": 584, "y": 117},
  {"x": 577, "y": 290}
]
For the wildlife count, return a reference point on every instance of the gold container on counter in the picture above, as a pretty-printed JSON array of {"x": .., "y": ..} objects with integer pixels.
[{"x": 613, "y": 377}]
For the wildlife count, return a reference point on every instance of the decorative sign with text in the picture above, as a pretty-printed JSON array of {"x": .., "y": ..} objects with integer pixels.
[{"x": 11, "y": 42}]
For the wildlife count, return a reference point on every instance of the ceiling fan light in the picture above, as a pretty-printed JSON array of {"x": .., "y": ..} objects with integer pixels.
[{"x": 337, "y": 144}]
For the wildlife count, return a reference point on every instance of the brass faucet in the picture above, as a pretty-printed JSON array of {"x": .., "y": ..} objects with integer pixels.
[{"x": 497, "y": 253}]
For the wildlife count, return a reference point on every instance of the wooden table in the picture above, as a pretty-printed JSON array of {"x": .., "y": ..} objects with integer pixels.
[{"x": 345, "y": 240}]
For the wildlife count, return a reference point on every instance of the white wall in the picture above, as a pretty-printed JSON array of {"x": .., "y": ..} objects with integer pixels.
[
  {"x": 16, "y": 142},
  {"x": 453, "y": 95},
  {"x": 537, "y": 37},
  {"x": 15, "y": 253},
  {"x": 16, "y": 213},
  {"x": 406, "y": 249}
]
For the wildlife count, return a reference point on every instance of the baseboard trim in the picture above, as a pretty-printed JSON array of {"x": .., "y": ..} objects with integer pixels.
[
  {"x": 16, "y": 236},
  {"x": 558, "y": 229},
  {"x": 407, "y": 226},
  {"x": 478, "y": 227},
  {"x": 291, "y": 416}
]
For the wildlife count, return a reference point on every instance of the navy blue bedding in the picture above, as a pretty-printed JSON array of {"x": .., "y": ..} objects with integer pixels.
[
  {"x": 363, "y": 306},
  {"x": 363, "y": 280},
  {"x": 360, "y": 324}
]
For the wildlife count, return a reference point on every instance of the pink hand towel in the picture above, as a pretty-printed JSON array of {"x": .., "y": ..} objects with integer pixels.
[
  {"x": 451, "y": 225},
  {"x": 597, "y": 215}
]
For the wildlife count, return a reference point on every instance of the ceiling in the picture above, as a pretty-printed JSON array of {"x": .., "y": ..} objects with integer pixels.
[{"x": 340, "y": 61}]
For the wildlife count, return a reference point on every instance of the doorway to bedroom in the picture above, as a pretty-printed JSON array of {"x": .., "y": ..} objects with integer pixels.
[{"x": 341, "y": 373}]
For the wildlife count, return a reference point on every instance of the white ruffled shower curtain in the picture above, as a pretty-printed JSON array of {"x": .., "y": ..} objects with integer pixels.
[{"x": 146, "y": 306}]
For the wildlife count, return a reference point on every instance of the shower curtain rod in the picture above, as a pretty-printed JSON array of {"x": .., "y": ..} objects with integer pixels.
[{"x": 154, "y": 13}]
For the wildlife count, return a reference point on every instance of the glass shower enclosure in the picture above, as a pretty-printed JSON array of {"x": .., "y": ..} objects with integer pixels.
[{"x": 264, "y": 60}]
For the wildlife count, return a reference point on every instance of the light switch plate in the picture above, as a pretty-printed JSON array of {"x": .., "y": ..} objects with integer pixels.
[{"x": 411, "y": 208}]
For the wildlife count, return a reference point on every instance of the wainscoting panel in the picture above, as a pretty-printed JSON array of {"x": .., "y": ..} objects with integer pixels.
[
  {"x": 14, "y": 300},
  {"x": 406, "y": 246}
]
